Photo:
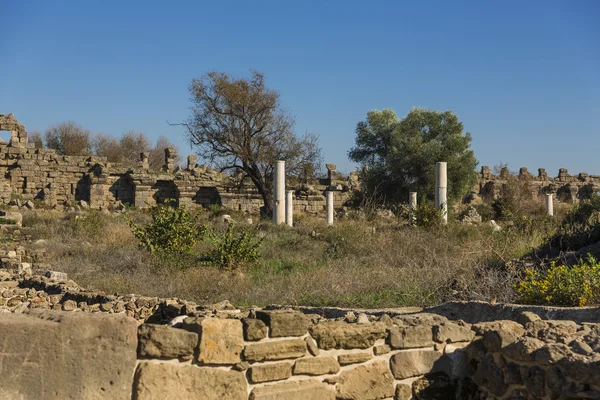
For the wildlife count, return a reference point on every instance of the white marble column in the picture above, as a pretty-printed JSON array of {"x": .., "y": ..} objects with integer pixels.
[
  {"x": 329, "y": 206},
  {"x": 289, "y": 208},
  {"x": 441, "y": 186},
  {"x": 412, "y": 208},
  {"x": 279, "y": 193},
  {"x": 549, "y": 205}
]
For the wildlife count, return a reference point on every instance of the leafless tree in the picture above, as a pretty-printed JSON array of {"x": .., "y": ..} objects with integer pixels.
[{"x": 68, "y": 138}]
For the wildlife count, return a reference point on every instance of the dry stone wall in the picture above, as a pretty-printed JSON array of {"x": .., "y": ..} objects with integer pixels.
[
  {"x": 68, "y": 342},
  {"x": 28, "y": 173}
]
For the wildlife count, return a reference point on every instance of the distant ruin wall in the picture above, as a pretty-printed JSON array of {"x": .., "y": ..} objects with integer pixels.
[
  {"x": 29, "y": 173},
  {"x": 566, "y": 188}
]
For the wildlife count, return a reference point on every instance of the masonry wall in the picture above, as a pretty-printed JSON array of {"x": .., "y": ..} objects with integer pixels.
[
  {"x": 28, "y": 173},
  {"x": 58, "y": 340}
]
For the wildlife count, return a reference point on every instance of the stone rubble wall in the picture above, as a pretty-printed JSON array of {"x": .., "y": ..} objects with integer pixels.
[
  {"x": 58, "y": 340},
  {"x": 567, "y": 188},
  {"x": 28, "y": 173}
]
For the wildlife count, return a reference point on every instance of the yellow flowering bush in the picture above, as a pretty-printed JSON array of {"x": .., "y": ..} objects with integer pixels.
[{"x": 562, "y": 285}]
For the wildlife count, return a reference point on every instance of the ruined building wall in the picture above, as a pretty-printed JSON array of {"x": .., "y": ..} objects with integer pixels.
[
  {"x": 29, "y": 173},
  {"x": 566, "y": 188}
]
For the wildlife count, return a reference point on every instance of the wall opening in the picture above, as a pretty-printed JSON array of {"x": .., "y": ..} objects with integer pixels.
[{"x": 165, "y": 190}]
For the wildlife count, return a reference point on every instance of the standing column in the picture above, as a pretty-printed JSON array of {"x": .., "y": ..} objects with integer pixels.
[
  {"x": 441, "y": 185},
  {"x": 329, "y": 206},
  {"x": 279, "y": 193},
  {"x": 412, "y": 208},
  {"x": 549, "y": 205},
  {"x": 289, "y": 208}
]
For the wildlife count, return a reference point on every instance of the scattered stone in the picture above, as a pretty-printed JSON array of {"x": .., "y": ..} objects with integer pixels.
[
  {"x": 69, "y": 305},
  {"x": 385, "y": 319},
  {"x": 350, "y": 317},
  {"x": 527, "y": 316},
  {"x": 363, "y": 319},
  {"x": 471, "y": 217},
  {"x": 312, "y": 347}
]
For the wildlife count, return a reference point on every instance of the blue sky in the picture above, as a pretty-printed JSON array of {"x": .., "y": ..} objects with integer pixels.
[{"x": 524, "y": 77}]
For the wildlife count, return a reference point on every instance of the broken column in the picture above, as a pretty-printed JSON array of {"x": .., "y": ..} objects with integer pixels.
[
  {"x": 170, "y": 159},
  {"x": 329, "y": 206},
  {"x": 412, "y": 208},
  {"x": 191, "y": 162},
  {"x": 441, "y": 184},
  {"x": 145, "y": 160},
  {"x": 289, "y": 208},
  {"x": 330, "y": 173},
  {"x": 279, "y": 193},
  {"x": 549, "y": 205}
]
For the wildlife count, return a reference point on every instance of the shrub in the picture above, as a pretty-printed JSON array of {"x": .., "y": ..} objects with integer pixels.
[
  {"x": 562, "y": 285},
  {"x": 427, "y": 215},
  {"x": 172, "y": 230},
  {"x": 580, "y": 227},
  {"x": 90, "y": 223},
  {"x": 234, "y": 248}
]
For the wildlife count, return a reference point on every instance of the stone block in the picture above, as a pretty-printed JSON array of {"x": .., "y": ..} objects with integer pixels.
[
  {"x": 449, "y": 332},
  {"x": 56, "y": 355},
  {"x": 408, "y": 337},
  {"x": 254, "y": 329},
  {"x": 354, "y": 358},
  {"x": 316, "y": 366},
  {"x": 176, "y": 382},
  {"x": 409, "y": 363},
  {"x": 341, "y": 335},
  {"x": 270, "y": 372},
  {"x": 403, "y": 392},
  {"x": 275, "y": 350},
  {"x": 284, "y": 323},
  {"x": 162, "y": 341},
  {"x": 294, "y": 390},
  {"x": 221, "y": 340},
  {"x": 365, "y": 382}
]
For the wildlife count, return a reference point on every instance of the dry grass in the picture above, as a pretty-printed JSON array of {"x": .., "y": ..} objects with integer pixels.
[{"x": 344, "y": 265}]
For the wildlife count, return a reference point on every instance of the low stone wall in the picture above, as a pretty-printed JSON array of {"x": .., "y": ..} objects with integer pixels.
[{"x": 58, "y": 340}]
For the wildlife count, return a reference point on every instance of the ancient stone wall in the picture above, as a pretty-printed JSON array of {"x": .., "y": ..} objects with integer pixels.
[
  {"x": 61, "y": 341},
  {"x": 567, "y": 188},
  {"x": 28, "y": 173}
]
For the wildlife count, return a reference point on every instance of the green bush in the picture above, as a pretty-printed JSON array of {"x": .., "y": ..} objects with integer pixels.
[
  {"x": 427, "y": 215},
  {"x": 90, "y": 223},
  {"x": 172, "y": 230},
  {"x": 580, "y": 227},
  {"x": 562, "y": 285},
  {"x": 234, "y": 248}
]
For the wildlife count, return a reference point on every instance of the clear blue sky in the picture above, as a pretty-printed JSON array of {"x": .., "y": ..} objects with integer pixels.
[{"x": 523, "y": 76}]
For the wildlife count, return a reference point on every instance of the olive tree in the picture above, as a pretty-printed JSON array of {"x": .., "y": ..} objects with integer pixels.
[{"x": 398, "y": 156}]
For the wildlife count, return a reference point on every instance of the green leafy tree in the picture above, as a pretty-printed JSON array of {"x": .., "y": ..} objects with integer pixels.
[{"x": 398, "y": 156}]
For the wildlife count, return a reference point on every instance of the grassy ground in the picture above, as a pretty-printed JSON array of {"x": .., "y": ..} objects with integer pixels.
[{"x": 345, "y": 265}]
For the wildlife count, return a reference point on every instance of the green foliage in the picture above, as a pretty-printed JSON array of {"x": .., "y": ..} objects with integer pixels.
[
  {"x": 90, "y": 223},
  {"x": 580, "y": 227},
  {"x": 234, "y": 248},
  {"x": 427, "y": 215},
  {"x": 399, "y": 156},
  {"x": 485, "y": 210},
  {"x": 6, "y": 221},
  {"x": 562, "y": 285},
  {"x": 172, "y": 230}
]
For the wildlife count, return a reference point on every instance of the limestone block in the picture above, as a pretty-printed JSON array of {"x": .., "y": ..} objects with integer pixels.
[
  {"x": 270, "y": 372},
  {"x": 178, "y": 382},
  {"x": 221, "y": 340},
  {"x": 254, "y": 329},
  {"x": 275, "y": 350},
  {"x": 162, "y": 341},
  {"x": 449, "y": 332},
  {"x": 294, "y": 390},
  {"x": 316, "y": 366},
  {"x": 341, "y": 335},
  {"x": 408, "y": 337},
  {"x": 409, "y": 363},
  {"x": 67, "y": 355},
  {"x": 284, "y": 323},
  {"x": 371, "y": 381},
  {"x": 403, "y": 392},
  {"x": 354, "y": 358},
  {"x": 490, "y": 376},
  {"x": 523, "y": 349}
]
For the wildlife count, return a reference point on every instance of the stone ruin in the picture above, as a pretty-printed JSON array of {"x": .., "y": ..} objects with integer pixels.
[
  {"x": 58, "y": 340},
  {"x": 41, "y": 174},
  {"x": 565, "y": 187}
]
